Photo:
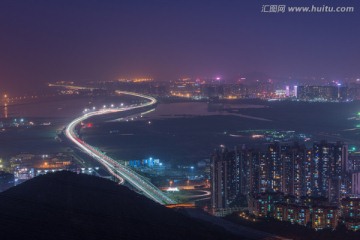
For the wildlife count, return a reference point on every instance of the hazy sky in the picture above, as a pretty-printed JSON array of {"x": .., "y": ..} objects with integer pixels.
[{"x": 50, "y": 40}]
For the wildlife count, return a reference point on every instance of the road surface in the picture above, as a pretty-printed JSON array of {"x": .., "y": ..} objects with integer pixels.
[{"x": 119, "y": 171}]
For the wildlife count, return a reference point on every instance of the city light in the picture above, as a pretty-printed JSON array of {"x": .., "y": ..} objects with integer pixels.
[
  {"x": 119, "y": 171},
  {"x": 175, "y": 189}
]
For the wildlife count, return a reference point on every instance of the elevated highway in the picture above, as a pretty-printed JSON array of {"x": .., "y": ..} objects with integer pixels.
[{"x": 118, "y": 170}]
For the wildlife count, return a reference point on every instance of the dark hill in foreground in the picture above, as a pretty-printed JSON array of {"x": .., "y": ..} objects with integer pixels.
[{"x": 66, "y": 205}]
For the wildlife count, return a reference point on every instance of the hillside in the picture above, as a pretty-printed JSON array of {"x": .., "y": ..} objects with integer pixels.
[{"x": 67, "y": 205}]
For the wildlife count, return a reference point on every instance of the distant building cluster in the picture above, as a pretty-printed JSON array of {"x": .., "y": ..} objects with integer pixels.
[
  {"x": 218, "y": 88},
  {"x": 23, "y": 167},
  {"x": 150, "y": 162},
  {"x": 27, "y": 166},
  {"x": 325, "y": 93},
  {"x": 288, "y": 182},
  {"x": 15, "y": 123},
  {"x": 150, "y": 166}
]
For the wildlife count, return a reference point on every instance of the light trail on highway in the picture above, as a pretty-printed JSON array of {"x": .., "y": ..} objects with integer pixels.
[{"x": 118, "y": 170}]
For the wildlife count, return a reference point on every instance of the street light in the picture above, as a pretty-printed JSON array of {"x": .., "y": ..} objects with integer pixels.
[{"x": 339, "y": 85}]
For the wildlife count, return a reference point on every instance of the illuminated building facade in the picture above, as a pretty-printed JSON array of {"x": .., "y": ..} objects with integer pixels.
[
  {"x": 293, "y": 170},
  {"x": 225, "y": 178},
  {"x": 244, "y": 157},
  {"x": 327, "y": 93},
  {"x": 325, "y": 217},
  {"x": 355, "y": 183},
  {"x": 350, "y": 207},
  {"x": 328, "y": 170},
  {"x": 287, "y": 169},
  {"x": 257, "y": 172},
  {"x": 292, "y": 213},
  {"x": 262, "y": 205},
  {"x": 274, "y": 167},
  {"x": 350, "y": 213},
  {"x": 354, "y": 162}
]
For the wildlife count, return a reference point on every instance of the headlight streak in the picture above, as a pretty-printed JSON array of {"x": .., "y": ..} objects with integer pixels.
[{"x": 119, "y": 171}]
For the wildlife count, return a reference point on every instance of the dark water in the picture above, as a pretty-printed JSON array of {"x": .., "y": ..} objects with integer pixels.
[
  {"x": 41, "y": 139},
  {"x": 180, "y": 132},
  {"x": 37, "y": 140},
  {"x": 188, "y": 132},
  {"x": 61, "y": 106}
]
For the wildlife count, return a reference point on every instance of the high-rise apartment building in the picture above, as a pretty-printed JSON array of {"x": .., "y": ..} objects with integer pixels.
[{"x": 225, "y": 178}]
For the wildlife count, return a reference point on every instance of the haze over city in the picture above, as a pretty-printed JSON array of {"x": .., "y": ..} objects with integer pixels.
[{"x": 44, "y": 41}]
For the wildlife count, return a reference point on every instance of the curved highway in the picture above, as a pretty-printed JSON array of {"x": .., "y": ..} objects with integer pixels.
[{"x": 119, "y": 171}]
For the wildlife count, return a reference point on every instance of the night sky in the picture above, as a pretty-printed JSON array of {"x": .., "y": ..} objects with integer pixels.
[{"x": 45, "y": 41}]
